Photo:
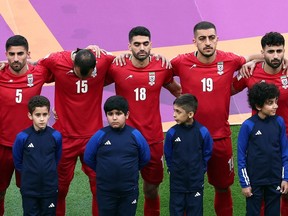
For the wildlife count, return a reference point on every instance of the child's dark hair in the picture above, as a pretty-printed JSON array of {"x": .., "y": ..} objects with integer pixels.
[
  {"x": 38, "y": 101},
  {"x": 260, "y": 93},
  {"x": 188, "y": 102},
  {"x": 116, "y": 102}
]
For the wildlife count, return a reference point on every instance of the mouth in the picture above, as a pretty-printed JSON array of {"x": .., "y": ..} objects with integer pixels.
[
  {"x": 114, "y": 124},
  {"x": 16, "y": 64},
  {"x": 208, "y": 48},
  {"x": 275, "y": 62},
  {"x": 142, "y": 54}
]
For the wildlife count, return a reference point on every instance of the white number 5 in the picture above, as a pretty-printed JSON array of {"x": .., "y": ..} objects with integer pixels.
[{"x": 19, "y": 96}]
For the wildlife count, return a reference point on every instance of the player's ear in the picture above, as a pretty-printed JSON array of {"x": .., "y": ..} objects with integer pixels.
[
  {"x": 28, "y": 55},
  {"x": 127, "y": 115},
  {"x": 29, "y": 116},
  {"x": 194, "y": 41},
  {"x": 129, "y": 46}
]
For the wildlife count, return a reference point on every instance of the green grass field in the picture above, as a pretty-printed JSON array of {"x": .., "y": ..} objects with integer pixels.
[{"x": 79, "y": 197}]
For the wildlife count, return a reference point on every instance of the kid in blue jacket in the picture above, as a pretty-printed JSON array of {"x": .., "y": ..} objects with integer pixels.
[
  {"x": 263, "y": 152},
  {"x": 117, "y": 153},
  {"x": 187, "y": 149},
  {"x": 36, "y": 153}
]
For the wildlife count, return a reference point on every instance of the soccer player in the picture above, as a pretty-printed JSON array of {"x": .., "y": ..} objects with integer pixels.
[
  {"x": 263, "y": 152},
  {"x": 78, "y": 95},
  {"x": 140, "y": 82},
  {"x": 36, "y": 154},
  {"x": 207, "y": 73},
  {"x": 270, "y": 71},
  {"x": 116, "y": 153},
  {"x": 19, "y": 81}
]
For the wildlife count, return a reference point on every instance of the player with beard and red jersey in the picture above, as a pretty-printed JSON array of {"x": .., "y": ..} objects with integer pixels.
[
  {"x": 140, "y": 82},
  {"x": 270, "y": 71},
  {"x": 78, "y": 96},
  {"x": 19, "y": 81},
  {"x": 207, "y": 74}
]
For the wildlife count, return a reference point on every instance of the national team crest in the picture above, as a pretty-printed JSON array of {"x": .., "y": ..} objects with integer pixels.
[
  {"x": 30, "y": 80},
  {"x": 284, "y": 82},
  {"x": 220, "y": 68},
  {"x": 152, "y": 78}
]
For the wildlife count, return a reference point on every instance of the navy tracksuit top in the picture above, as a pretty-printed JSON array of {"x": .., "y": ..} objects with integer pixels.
[
  {"x": 117, "y": 155},
  {"x": 36, "y": 155},
  {"x": 187, "y": 150},
  {"x": 262, "y": 151}
]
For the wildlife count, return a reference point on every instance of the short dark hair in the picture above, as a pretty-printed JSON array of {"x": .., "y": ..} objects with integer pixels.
[
  {"x": 139, "y": 31},
  {"x": 17, "y": 40},
  {"x": 272, "y": 39},
  {"x": 188, "y": 102},
  {"x": 38, "y": 101},
  {"x": 116, "y": 102},
  {"x": 85, "y": 60},
  {"x": 203, "y": 26},
  {"x": 260, "y": 93}
]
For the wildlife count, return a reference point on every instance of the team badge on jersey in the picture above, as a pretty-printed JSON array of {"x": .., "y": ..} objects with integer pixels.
[
  {"x": 284, "y": 82},
  {"x": 152, "y": 78},
  {"x": 30, "y": 80},
  {"x": 94, "y": 72},
  {"x": 220, "y": 68}
]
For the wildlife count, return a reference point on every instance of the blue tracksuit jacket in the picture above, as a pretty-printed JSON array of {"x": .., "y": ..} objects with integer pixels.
[
  {"x": 116, "y": 156},
  {"x": 262, "y": 151},
  {"x": 36, "y": 155},
  {"x": 187, "y": 150}
]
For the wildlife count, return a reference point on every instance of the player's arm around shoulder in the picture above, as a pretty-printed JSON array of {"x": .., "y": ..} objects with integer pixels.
[{"x": 174, "y": 88}]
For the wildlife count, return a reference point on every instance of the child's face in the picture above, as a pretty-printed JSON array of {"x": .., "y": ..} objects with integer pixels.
[
  {"x": 116, "y": 118},
  {"x": 39, "y": 117},
  {"x": 269, "y": 108},
  {"x": 181, "y": 116}
]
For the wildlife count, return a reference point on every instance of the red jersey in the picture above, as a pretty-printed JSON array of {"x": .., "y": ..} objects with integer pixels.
[
  {"x": 15, "y": 93},
  {"x": 211, "y": 84},
  {"x": 141, "y": 87},
  {"x": 77, "y": 101},
  {"x": 279, "y": 79}
]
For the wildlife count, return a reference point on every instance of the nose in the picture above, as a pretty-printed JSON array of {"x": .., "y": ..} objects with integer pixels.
[
  {"x": 174, "y": 114},
  {"x": 207, "y": 41},
  {"x": 141, "y": 47},
  {"x": 114, "y": 116},
  {"x": 16, "y": 57}
]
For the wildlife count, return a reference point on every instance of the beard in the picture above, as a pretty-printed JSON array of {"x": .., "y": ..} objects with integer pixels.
[
  {"x": 140, "y": 55},
  {"x": 207, "y": 55},
  {"x": 17, "y": 66},
  {"x": 275, "y": 63}
]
